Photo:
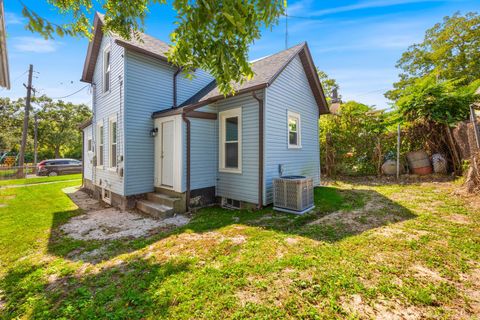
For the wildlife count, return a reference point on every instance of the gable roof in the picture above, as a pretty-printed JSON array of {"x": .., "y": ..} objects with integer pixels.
[
  {"x": 266, "y": 70},
  {"x": 143, "y": 43}
]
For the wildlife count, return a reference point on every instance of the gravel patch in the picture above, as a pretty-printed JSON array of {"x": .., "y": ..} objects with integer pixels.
[
  {"x": 99, "y": 223},
  {"x": 110, "y": 224}
]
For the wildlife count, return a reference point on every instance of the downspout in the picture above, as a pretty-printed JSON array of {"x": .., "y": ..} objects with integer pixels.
[
  {"x": 83, "y": 158},
  {"x": 260, "y": 148},
  {"x": 187, "y": 122},
  {"x": 175, "y": 87}
]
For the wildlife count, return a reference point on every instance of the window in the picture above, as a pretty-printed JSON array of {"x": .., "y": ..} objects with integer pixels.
[
  {"x": 107, "y": 196},
  {"x": 100, "y": 145},
  {"x": 106, "y": 70},
  {"x": 113, "y": 142},
  {"x": 230, "y": 158},
  {"x": 89, "y": 144},
  {"x": 294, "y": 133}
]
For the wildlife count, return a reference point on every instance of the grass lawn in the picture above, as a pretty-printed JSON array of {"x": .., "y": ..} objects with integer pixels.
[
  {"x": 405, "y": 251},
  {"x": 40, "y": 179}
]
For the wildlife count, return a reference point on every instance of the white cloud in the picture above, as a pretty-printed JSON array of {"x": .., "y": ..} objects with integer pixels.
[
  {"x": 303, "y": 6},
  {"x": 13, "y": 18},
  {"x": 35, "y": 45}
]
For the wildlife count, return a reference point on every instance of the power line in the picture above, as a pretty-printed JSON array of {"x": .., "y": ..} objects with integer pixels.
[
  {"x": 15, "y": 80},
  {"x": 71, "y": 94}
]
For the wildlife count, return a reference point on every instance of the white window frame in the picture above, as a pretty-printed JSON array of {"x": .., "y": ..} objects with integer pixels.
[
  {"x": 237, "y": 112},
  {"x": 111, "y": 120},
  {"x": 107, "y": 68},
  {"x": 296, "y": 116},
  {"x": 100, "y": 143},
  {"x": 107, "y": 195}
]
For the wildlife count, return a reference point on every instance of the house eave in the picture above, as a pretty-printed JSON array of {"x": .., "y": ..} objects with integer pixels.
[
  {"x": 194, "y": 106},
  {"x": 4, "y": 69}
]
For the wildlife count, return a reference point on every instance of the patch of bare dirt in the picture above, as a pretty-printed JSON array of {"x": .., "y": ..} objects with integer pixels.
[
  {"x": 82, "y": 199},
  {"x": 381, "y": 309},
  {"x": 458, "y": 218},
  {"x": 392, "y": 232},
  {"x": 375, "y": 213},
  {"x": 109, "y": 224},
  {"x": 100, "y": 223}
]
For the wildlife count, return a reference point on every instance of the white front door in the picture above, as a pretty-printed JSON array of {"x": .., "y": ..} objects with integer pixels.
[{"x": 167, "y": 153}]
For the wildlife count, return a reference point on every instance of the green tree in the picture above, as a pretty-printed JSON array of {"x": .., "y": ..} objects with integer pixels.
[
  {"x": 11, "y": 120},
  {"x": 450, "y": 50},
  {"x": 213, "y": 35},
  {"x": 354, "y": 141},
  {"x": 58, "y": 126},
  {"x": 328, "y": 83},
  {"x": 438, "y": 106}
]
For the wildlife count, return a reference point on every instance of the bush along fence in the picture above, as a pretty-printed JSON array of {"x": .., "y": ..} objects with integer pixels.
[{"x": 359, "y": 140}]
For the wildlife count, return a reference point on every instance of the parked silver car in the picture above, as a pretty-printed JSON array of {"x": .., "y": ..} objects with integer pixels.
[{"x": 55, "y": 167}]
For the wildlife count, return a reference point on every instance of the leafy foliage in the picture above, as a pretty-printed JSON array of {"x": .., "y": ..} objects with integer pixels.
[
  {"x": 58, "y": 121},
  {"x": 349, "y": 140},
  {"x": 328, "y": 84},
  {"x": 450, "y": 50},
  {"x": 211, "y": 35},
  {"x": 443, "y": 102}
]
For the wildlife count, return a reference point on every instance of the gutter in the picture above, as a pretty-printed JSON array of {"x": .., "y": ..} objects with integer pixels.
[
  {"x": 175, "y": 86},
  {"x": 261, "y": 108}
]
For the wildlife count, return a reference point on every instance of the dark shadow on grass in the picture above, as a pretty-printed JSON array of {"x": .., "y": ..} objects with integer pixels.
[
  {"x": 117, "y": 292},
  {"x": 338, "y": 214}
]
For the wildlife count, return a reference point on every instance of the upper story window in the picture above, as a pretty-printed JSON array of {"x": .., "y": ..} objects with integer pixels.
[
  {"x": 294, "y": 130},
  {"x": 113, "y": 142},
  {"x": 100, "y": 144},
  {"x": 230, "y": 158},
  {"x": 89, "y": 144},
  {"x": 106, "y": 69}
]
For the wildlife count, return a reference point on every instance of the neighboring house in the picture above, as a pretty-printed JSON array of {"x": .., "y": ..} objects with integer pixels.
[
  {"x": 165, "y": 142},
  {"x": 4, "y": 73}
]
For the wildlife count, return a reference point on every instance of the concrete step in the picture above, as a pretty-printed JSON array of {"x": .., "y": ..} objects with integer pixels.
[
  {"x": 166, "y": 200},
  {"x": 155, "y": 210}
]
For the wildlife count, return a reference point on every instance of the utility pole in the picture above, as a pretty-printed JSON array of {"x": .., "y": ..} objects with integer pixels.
[
  {"x": 21, "y": 158},
  {"x": 35, "y": 140}
]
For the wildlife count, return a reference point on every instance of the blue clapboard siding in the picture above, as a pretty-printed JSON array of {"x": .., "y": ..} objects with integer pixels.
[
  {"x": 106, "y": 105},
  {"x": 186, "y": 88},
  {"x": 290, "y": 92},
  {"x": 148, "y": 88},
  {"x": 203, "y": 152},
  {"x": 244, "y": 186}
]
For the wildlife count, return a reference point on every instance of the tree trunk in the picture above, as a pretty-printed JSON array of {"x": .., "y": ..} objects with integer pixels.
[
  {"x": 457, "y": 165},
  {"x": 57, "y": 152}
]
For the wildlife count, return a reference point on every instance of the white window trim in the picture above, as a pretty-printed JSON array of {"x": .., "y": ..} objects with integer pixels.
[
  {"x": 111, "y": 120},
  {"x": 98, "y": 144},
  {"x": 295, "y": 115},
  {"x": 107, "y": 199},
  {"x": 105, "y": 50},
  {"x": 237, "y": 112}
]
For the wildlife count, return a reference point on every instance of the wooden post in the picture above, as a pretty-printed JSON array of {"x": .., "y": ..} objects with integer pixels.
[
  {"x": 473, "y": 118},
  {"x": 398, "y": 151},
  {"x": 35, "y": 141}
]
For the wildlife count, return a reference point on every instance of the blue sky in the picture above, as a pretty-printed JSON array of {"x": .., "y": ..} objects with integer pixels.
[{"x": 356, "y": 42}]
